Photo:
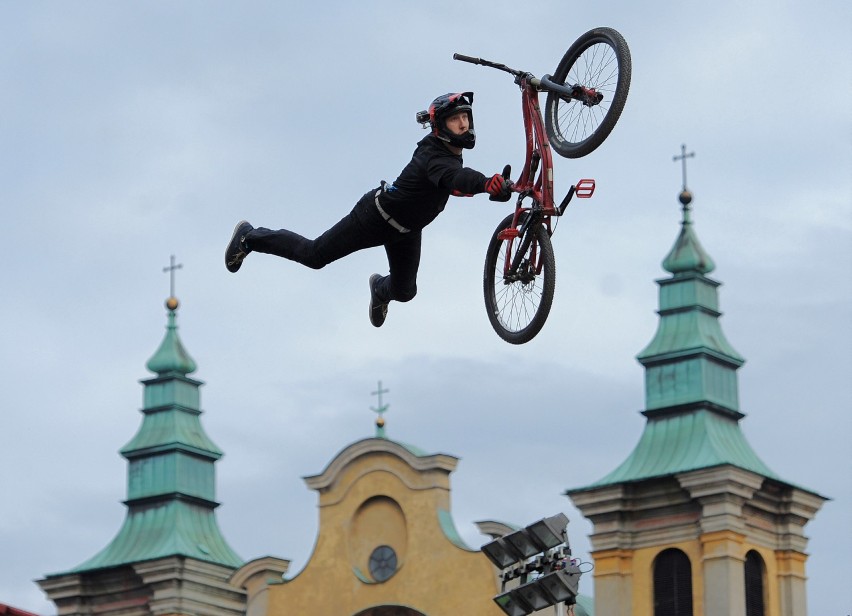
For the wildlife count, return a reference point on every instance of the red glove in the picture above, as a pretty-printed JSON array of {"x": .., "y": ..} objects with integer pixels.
[
  {"x": 494, "y": 185},
  {"x": 499, "y": 188}
]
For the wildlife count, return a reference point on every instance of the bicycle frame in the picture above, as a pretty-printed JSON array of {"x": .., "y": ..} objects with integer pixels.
[
  {"x": 532, "y": 181},
  {"x": 535, "y": 181}
]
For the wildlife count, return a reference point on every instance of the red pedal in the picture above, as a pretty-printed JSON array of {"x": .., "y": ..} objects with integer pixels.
[{"x": 585, "y": 188}]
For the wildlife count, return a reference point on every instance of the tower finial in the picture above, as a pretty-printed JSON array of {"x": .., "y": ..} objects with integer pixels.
[
  {"x": 685, "y": 196},
  {"x": 172, "y": 301},
  {"x": 380, "y": 421},
  {"x": 683, "y": 156}
]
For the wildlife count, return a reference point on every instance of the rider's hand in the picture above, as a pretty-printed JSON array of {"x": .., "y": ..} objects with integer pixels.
[{"x": 498, "y": 187}]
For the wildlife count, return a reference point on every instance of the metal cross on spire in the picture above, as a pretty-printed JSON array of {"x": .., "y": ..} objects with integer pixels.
[
  {"x": 172, "y": 302},
  {"x": 683, "y": 156},
  {"x": 380, "y": 422},
  {"x": 685, "y": 196},
  {"x": 171, "y": 270}
]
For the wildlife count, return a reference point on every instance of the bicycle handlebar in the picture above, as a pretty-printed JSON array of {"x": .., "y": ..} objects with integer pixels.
[
  {"x": 463, "y": 58},
  {"x": 472, "y": 60},
  {"x": 558, "y": 88},
  {"x": 545, "y": 83}
]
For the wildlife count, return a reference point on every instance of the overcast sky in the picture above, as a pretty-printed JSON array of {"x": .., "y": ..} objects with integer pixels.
[{"x": 131, "y": 131}]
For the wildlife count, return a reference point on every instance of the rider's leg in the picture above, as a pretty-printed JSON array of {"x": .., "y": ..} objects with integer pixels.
[
  {"x": 361, "y": 228},
  {"x": 403, "y": 252}
]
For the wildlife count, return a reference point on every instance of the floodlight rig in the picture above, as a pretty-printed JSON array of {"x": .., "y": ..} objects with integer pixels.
[{"x": 540, "y": 556}]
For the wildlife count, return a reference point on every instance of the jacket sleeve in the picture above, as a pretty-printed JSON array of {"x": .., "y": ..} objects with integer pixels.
[
  {"x": 467, "y": 182},
  {"x": 448, "y": 173}
]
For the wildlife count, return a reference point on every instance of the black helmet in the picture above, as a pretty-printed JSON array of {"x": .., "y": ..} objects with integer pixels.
[{"x": 445, "y": 106}]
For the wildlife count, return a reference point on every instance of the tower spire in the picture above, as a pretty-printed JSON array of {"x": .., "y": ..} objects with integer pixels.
[
  {"x": 169, "y": 556},
  {"x": 687, "y": 254},
  {"x": 693, "y": 496},
  {"x": 171, "y": 356},
  {"x": 171, "y": 475},
  {"x": 691, "y": 385}
]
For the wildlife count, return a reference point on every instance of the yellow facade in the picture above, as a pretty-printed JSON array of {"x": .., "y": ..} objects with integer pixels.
[
  {"x": 378, "y": 494},
  {"x": 634, "y": 569},
  {"x": 716, "y": 517}
]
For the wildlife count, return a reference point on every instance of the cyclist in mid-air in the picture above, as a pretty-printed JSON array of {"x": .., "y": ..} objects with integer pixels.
[{"x": 391, "y": 215}]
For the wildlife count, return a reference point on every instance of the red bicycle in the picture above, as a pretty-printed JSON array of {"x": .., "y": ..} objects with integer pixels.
[{"x": 585, "y": 97}]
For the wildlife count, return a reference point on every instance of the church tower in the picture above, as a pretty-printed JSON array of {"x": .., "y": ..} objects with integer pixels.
[
  {"x": 693, "y": 523},
  {"x": 169, "y": 557}
]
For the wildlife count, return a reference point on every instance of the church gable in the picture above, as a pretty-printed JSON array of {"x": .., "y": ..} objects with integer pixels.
[{"x": 386, "y": 541}]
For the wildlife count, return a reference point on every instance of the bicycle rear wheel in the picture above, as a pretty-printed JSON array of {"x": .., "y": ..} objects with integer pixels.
[
  {"x": 598, "y": 61},
  {"x": 518, "y": 302}
]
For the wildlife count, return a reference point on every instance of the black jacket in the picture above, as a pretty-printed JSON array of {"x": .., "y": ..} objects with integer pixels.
[{"x": 423, "y": 187}]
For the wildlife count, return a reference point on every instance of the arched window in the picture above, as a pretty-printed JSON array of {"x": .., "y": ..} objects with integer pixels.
[
  {"x": 754, "y": 584},
  {"x": 672, "y": 584},
  {"x": 390, "y": 610}
]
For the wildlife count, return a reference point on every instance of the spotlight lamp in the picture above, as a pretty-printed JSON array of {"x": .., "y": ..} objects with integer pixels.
[
  {"x": 521, "y": 544},
  {"x": 562, "y": 585},
  {"x": 501, "y": 553},
  {"x": 540, "y": 556},
  {"x": 549, "y": 532},
  {"x": 512, "y": 604}
]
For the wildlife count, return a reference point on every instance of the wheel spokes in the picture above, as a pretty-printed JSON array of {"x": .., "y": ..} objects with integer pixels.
[
  {"x": 596, "y": 68},
  {"x": 516, "y": 301}
]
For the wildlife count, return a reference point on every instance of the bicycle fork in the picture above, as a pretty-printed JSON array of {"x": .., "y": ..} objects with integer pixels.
[{"x": 521, "y": 269}]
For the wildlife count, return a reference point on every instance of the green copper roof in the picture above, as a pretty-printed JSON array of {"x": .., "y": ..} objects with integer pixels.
[
  {"x": 164, "y": 529},
  {"x": 172, "y": 420},
  {"x": 689, "y": 360},
  {"x": 448, "y": 527},
  {"x": 687, "y": 255},
  {"x": 171, "y": 357},
  {"x": 690, "y": 320},
  {"x": 684, "y": 442},
  {"x": 171, "y": 479},
  {"x": 691, "y": 388}
]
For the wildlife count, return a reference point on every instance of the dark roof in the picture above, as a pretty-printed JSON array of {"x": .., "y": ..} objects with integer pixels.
[{"x": 8, "y": 610}]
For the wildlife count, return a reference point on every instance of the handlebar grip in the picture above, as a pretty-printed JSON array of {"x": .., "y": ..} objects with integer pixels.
[
  {"x": 547, "y": 84},
  {"x": 463, "y": 58}
]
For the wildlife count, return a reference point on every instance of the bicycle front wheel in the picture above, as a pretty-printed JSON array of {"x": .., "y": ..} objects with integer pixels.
[
  {"x": 599, "y": 62},
  {"x": 518, "y": 300}
]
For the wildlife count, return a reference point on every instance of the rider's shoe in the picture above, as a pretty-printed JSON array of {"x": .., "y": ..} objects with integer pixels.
[
  {"x": 237, "y": 249},
  {"x": 378, "y": 309}
]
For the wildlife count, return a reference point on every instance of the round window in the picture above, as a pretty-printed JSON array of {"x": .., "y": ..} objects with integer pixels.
[{"x": 383, "y": 563}]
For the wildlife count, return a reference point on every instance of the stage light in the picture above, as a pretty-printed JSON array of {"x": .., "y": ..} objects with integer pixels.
[
  {"x": 549, "y": 532},
  {"x": 523, "y": 543},
  {"x": 526, "y": 542},
  {"x": 501, "y": 553},
  {"x": 548, "y": 579},
  {"x": 534, "y": 594},
  {"x": 512, "y": 604},
  {"x": 562, "y": 585}
]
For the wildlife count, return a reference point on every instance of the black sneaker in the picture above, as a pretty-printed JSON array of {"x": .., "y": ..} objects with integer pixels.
[
  {"x": 237, "y": 249},
  {"x": 378, "y": 309}
]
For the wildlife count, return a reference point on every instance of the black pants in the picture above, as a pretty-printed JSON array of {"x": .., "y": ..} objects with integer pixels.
[{"x": 362, "y": 228}]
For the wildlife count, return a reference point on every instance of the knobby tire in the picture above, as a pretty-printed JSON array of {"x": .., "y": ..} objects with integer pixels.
[
  {"x": 599, "y": 59},
  {"x": 518, "y": 309}
]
